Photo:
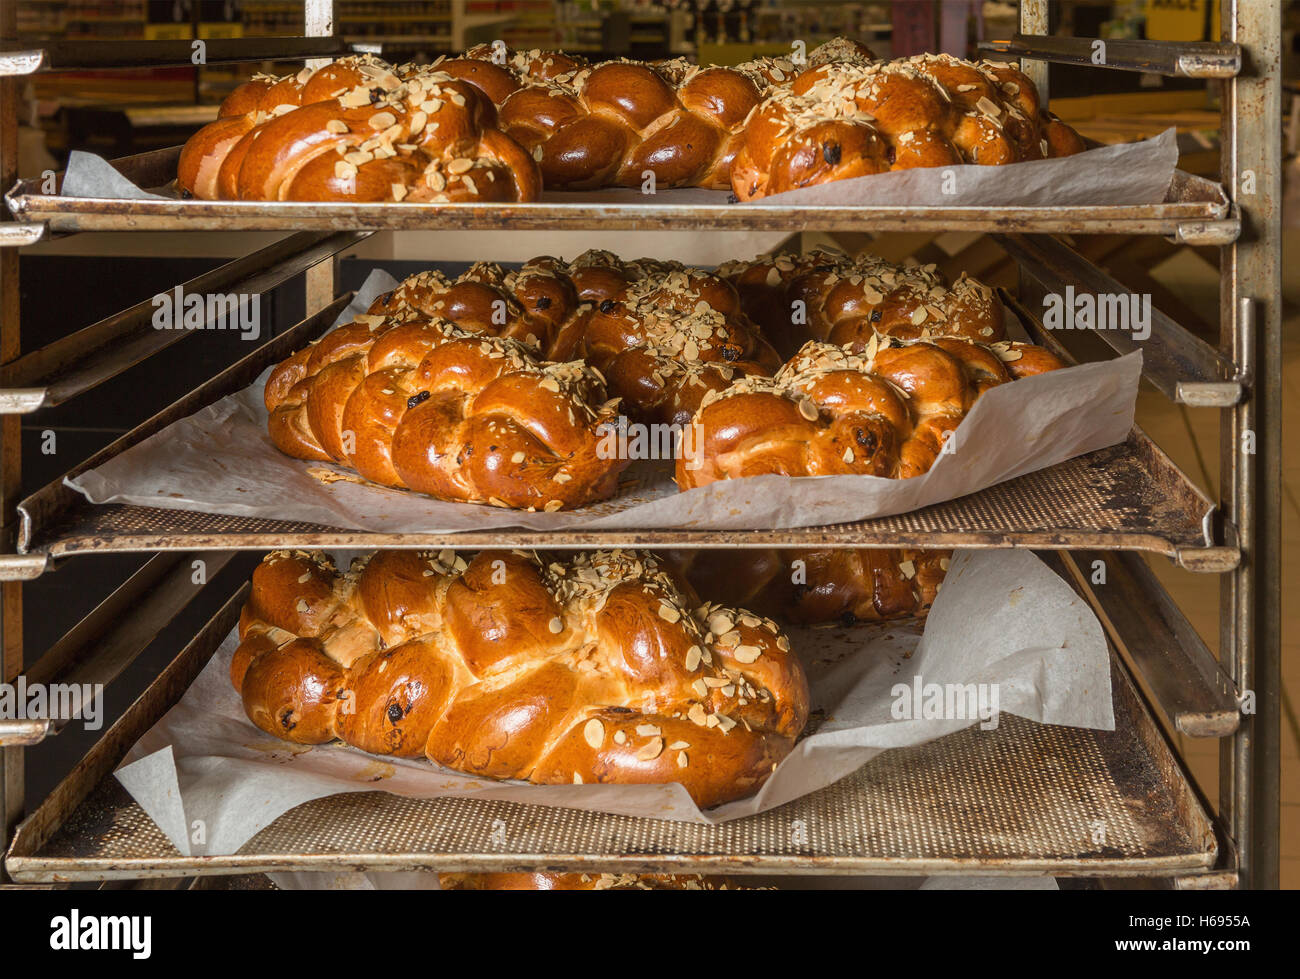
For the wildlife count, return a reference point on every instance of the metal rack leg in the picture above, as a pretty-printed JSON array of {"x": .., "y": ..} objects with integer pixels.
[
  {"x": 11, "y": 595},
  {"x": 1251, "y": 331},
  {"x": 321, "y": 284},
  {"x": 1035, "y": 19}
]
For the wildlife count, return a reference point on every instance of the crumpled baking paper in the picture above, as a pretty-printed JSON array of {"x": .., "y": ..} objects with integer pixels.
[
  {"x": 221, "y": 460},
  {"x": 1002, "y": 619},
  {"x": 1120, "y": 175}
]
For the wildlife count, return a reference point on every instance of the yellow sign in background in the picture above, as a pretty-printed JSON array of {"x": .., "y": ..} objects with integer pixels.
[{"x": 1182, "y": 20}]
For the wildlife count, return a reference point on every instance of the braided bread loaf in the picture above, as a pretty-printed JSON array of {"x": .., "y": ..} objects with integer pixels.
[
  {"x": 809, "y": 585},
  {"x": 355, "y": 130},
  {"x": 670, "y": 336},
  {"x": 657, "y": 338},
  {"x": 852, "y": 119},
  {"x": 608, "y": 124},
  {"x": 537, "y": 305},
  {"x": 885, "y": 412},
  {"x": 661, "y": 333},
  {"x": 500, "y": 72},
  {"x": 844, "y": 301},
  {"x": 547, "y": 881},
  {"x": 604, "y": 668},
  {"x": 427, "y": 405}
]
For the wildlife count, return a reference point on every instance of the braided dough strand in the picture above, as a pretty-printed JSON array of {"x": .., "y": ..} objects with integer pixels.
[{"x": 604, "y": 668}]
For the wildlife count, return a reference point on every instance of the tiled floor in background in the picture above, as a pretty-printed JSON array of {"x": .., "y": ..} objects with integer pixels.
[{"x": 1191, "y": 438}]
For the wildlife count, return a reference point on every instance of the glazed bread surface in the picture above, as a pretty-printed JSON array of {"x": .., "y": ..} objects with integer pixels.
[
  {"x": 885, "y": 412},
  {"x": 602, "y": 668}
]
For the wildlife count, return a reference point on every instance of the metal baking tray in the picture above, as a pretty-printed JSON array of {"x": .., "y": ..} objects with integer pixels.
[
  {"x": 1023, "y": 799},
  {"x": 1130, "y": 496},
  {"x": 1197, "y": 211}
]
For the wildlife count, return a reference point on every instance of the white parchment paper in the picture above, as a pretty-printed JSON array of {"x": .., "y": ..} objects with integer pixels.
[
  {"x": 221, "y": 460},
  {"x": 1125, "y": 174},
  {"x": 1002, "y": 618}
]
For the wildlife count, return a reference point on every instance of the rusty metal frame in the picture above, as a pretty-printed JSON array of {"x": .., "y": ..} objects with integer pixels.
[
  {"x": 1195, "y": 208},
  {"x": 75, "y": 364},
  {"x": 1185, "y": 368},
  {"x": 1182, "y": 59},
  {"x": 98, "y": 648},
  {"x": 1245, "y": 223},
  {"x": 1140, "y": 761},
  {"x": 11, "y": 594},
  {"x": 1251, "y": 449}
]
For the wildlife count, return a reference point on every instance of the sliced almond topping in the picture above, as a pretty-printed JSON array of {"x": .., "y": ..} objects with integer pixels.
[
  {"x": 679, "y": 745},
  {"x": 460, "y": 165},
  {"x": 848, "y": 455},
  {"x": 700, "y": 687},
  {"x": 517, "y": 458},
  {"x": 783, "y": 644},
  {"x": 382, "y": 120},
  {"x": 693, "y": 657},
  {"x": 747, "y": 654},
  {"x": 557, "y": 625},
  {"x": 720, "y": 622},
  {"x": 696, "y": 715},
  {"x": 908, "y": 568},
  {"x": 668, "y": 613},
  {"x": 336, "y": 126},
  {"x": 620, "y": 737},
  {"x": 648, "y": 730},
  {"x": 682, "y": 761},
  {"x": 577, "y": 779},
  {"x": 594, "y": 733},
  {"x": 651, "y": 750},
  {"x": 808, "y": 410}
]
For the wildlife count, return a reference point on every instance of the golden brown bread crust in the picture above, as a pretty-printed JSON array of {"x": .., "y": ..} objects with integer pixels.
[
  {"x": 668, "y": 337},
  {"x": 657, "y": 339},
  {"x": 886, "y": 412},
  {"x": 609, "y": 124},
  {"x": 850, "y": 119},
  {"x": 357, "y": 130},
  {"x": 816, "y": 585},
  {"x": 424, "y": 404},
  {"x": 603, "y": 668},
  {"x": 829, "y": 296},
  {"x": 547, "y": 881},
  {"x": 407, "y": 397}
]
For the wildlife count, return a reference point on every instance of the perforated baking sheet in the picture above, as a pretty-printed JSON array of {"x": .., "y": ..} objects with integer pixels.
[
  {"x": 1129, "y": 496},
  {"x": 1022, "y": 799}
]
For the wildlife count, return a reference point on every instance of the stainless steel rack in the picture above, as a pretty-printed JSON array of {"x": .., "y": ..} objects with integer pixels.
[{"x": 1119, "y": 502}]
